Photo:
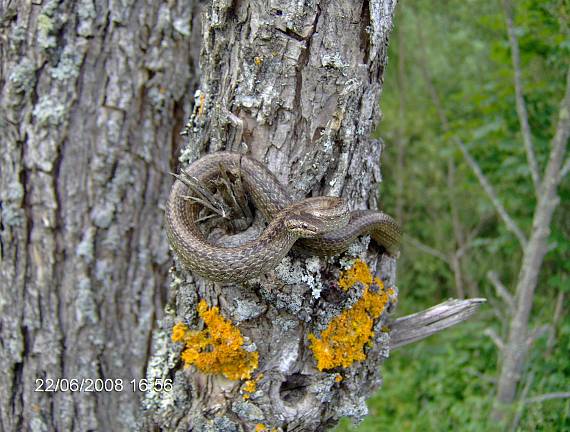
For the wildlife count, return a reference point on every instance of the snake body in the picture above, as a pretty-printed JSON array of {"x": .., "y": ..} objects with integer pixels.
[{"x": 324, "y": 224}]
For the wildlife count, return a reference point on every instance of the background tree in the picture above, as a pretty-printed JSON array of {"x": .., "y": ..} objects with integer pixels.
[{"x": 93, "y": 96}]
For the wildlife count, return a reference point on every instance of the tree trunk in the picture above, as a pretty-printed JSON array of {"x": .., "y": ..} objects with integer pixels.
[
  {"x": 93, "y": 97},
  {"x": 295, "y": 86},
  {"x": 517, "y": 344}
]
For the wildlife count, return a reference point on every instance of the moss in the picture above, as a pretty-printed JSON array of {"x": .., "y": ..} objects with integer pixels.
[
  {"x": 343, "y": 341},
  {"x": 218, "y": 349}
]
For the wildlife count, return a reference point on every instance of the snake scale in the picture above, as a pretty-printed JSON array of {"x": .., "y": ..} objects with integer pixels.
[{"x": 323, "y": 225}]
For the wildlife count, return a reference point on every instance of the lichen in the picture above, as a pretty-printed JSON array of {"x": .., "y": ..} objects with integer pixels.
[
  {"x": 306, "y": 271},
  {"x": 248, "y": 411},
  {"x": 359, "y": 272},
  {"x": 218, "y": 349},
  {"x": 49, "y": 112},
  {"x": 250, "y": 386},
  {"x": 343, "y": 341},
  {"x": 46, "y": 27}
]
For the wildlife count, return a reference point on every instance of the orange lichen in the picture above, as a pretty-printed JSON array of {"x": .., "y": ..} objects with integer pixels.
[
  {"x": 202, "y": 104},
  {"x": 250, "y": 386},
  {"x": 338, "y": 378},
  {"x": 178, "y": 332},
  {"x": 343, "y": 341},
  {"x": 218, "y": 349},
  {"x": 359, "y": 272},
  {"x": 260, "y": 427}
]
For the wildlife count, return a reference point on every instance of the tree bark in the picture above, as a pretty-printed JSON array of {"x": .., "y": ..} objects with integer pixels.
[
  {"x": 93, "y": 95},
  {"x": 295, "y": 86}
]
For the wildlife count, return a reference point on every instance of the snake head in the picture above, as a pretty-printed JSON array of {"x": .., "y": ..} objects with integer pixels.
[
  {"x": 316, "y": 216},
  {"x": 303, "y": 225}
]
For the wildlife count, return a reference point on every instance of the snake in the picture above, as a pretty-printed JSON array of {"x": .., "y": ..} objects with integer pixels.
[{"x": 322, "y": 226}]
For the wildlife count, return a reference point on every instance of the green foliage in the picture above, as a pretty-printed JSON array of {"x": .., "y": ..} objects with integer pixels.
[{"x": 462, "y": 47}]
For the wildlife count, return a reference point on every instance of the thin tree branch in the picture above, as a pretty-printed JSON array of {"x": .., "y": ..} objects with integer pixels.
[
  {"x": 418, "y": 326},
  {"x": 537, "y": 333},
  {"x": 455, "y": 258},
  {"x": 427, "y": 249},
  {"x": 472, "y": 235},
  {"x": 495, "y": 338},
  {"x": 502, "y": 291},
  {"x": 492, "y": 194},
  {"x": 520, "y": 407},
  {"x": 565, "y": 169},
  {"x": 547, "y": 396},
  {"x": 485, "y": 184},
  {"x": 557, "y": 316},
  {"x": 554, "y": 170},
  {"x": 520, "y": 103}
]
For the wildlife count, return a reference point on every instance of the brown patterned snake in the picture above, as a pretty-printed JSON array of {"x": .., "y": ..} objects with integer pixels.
[{"x": 324, "y": 224}]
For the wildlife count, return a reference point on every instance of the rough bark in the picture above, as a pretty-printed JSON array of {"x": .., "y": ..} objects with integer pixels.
[
  {"x": 296, "y": 86},
  {"x": 93, "y": 95}
]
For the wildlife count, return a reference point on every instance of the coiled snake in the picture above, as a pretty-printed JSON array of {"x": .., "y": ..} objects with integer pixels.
[{"x": 324, "y": 224}]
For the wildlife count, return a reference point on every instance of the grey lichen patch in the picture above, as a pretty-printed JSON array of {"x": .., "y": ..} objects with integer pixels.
[
  {"x": 249, "y": 345},
  {"x": 102, "y": 215},
  {"x": 247, "y": 410},
  {"x": 322, "y": 388},
  {"x": 187, "y": 299},
  {"x": 38, "y": 425},
  {"x": 85, "y": 246},
  {"x": 86, "y": 308},
  {"x": 164, "y": 358},
  {"x": 45, "y": 28},
  {"x": 218, "y": 424},
  {"x": 246, "y": 309},
  {"x": 359, "y": 247},
  {"x": 290, "y": 298},
  {"x": 301, "y": 271},
  {"x": 224, "y": 424},
  {"x": 334, "y": 61},
  {"x": 382, "y": 337},
  {"x": 23, "y": 77},
  {"x": 12, "y": 195},
  {"x": 49, "y": 112},
  {"x": 87, "y": 15},
  {"x": 67, "y": 68},
  {"x": 354, "y": 407},
  {"x": 285, "y": 324}
]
